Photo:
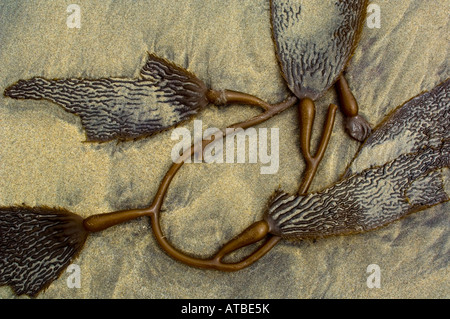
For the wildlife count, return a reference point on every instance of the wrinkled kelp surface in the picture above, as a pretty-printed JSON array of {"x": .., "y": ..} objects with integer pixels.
[
  {"x": 227, "y": 44},
  {"x": 36, "y": 245},
  {"x": 415, "y": 144},
  {"x": 120, "y": 108},
  {"x": 314, "y": 41}
]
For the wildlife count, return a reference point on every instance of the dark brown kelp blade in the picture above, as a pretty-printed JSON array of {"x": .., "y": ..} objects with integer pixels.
[
  {"x": 423, "y": 121},
  {"x": 314, "y": 41},
  {"x": 399, "y": 170},
  {"x": 120, "y": 108},
  {"x": 36, "y": 245}
]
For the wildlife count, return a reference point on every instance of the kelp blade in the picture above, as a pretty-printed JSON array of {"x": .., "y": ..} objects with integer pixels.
[
  {"x": 36, "y": 245},
  {"x": 120, "y": 108}
]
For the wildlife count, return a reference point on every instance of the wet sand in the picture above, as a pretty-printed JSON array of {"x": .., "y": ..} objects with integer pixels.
[{"x": 45, "y": 161}]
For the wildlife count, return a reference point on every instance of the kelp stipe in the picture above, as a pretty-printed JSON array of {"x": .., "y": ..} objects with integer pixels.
[
  {"x": 354, "y": 204},
  {"x": 66, "y": 232}
]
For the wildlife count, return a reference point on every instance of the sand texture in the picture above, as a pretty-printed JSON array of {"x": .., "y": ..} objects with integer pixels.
[{"x": 44, "y": 159}]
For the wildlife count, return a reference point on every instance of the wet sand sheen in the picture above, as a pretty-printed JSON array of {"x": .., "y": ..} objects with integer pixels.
[{"x": 227, "y": 45}]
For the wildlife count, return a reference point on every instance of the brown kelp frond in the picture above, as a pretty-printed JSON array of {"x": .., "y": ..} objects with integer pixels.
[
  {"x": 368, "y": 200},
  {"x": 422, "y": 121},
  {"x": 312, "y": 54},
  {"x": 36, "y": 245},
  {"x": 181, "y": 87},
  {"x": 162, "y": 70},
  {"x": 121, "y": 108},
  {"x": 400, "y": 169}
]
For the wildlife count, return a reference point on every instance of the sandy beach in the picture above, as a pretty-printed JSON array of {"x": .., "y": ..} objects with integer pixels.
[{"x": 45, "y": 161}]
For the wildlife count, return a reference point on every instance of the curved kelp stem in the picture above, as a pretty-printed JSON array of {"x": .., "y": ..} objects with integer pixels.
[
  {"x": 38, "y": 243},
  {"x": 252, "y": 234}
]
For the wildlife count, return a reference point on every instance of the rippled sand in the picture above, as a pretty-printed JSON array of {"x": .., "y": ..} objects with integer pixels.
[{"x": 227, "y": 44}]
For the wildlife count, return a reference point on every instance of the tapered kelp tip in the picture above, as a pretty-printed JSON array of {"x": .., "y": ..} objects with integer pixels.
[
  {"x": 36, "y": 245},
  {"x": 22, "y": 89},
  {"x": 10, "y": 90}
]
